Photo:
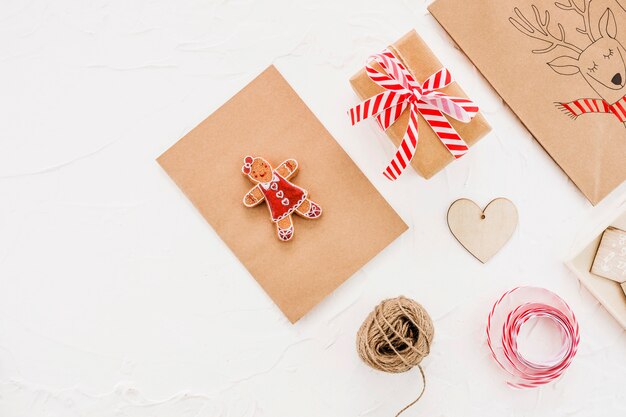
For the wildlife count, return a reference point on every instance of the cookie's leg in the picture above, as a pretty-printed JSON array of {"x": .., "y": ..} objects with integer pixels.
[
  {"x": 309, "y": 209},
  {"x": 284, "y": 228}
]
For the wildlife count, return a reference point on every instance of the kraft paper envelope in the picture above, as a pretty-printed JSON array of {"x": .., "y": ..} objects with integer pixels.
[
  {"x": 268, "y": 119},
  {"x": 560, "y": 66}
]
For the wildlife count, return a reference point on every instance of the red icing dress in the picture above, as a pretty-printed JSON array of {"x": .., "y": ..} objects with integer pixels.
[{"x": 282, "y": 197}]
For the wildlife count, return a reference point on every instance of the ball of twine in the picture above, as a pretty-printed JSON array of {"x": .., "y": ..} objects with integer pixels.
[{"x": 395, "y": 337}]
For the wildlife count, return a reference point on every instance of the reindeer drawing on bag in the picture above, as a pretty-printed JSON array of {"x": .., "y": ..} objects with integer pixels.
[{"x": 600, "y": 62}]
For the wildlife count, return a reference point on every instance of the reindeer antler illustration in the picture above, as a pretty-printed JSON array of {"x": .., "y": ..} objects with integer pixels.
[
  {"x": 599, "y": 62},
  {"x": 542, "y": 31},
  {"x": 583, "y": 12}
]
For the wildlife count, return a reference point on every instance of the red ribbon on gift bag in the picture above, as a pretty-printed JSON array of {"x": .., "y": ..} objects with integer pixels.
[{"x": 402, "y": 91}]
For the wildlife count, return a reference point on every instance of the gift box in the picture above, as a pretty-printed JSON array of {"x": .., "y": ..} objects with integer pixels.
[
  {"x": 611, "y": 293},
  {"x": 430, "y": 155}
]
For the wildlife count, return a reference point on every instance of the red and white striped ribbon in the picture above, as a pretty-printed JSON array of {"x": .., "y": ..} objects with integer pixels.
[
  {"x": 594, "y": 105},
  {"x": 507, "y": 317},
  {"x": 402, "y": 91}
]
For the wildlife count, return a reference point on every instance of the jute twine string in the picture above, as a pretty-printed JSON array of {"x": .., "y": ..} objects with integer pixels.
[{"x": 395, "y": 337}]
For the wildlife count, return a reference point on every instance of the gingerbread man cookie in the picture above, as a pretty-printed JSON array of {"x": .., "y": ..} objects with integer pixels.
[{"x": 282, "y": 197}]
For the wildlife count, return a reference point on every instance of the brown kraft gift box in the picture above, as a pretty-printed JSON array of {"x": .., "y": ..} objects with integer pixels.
[{"x": 431, "y": 156}]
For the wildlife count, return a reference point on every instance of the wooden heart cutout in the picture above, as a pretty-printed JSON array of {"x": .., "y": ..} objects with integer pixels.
[{"x": 482, "y": 232}]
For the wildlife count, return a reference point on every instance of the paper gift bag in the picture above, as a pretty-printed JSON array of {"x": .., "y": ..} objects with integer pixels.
[
  {"x": 268, "y": 119},
  {"x": 559, "y": 65},
  {"x": 431, "y": 155}
]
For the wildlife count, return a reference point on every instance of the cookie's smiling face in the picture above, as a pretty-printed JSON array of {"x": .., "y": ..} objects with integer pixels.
[{"x": 260, "y": 171}]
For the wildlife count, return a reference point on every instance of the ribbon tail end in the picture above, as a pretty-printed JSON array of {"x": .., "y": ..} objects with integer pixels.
[{"x": 388, "y": 176}]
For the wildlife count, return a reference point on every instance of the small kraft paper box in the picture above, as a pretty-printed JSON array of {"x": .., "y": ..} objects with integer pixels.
[
  {"x": 560, "y": 65},
  {"x": 610, "y": 261},
  {"x": 268, "y": 119},
  {"x": 430, "y": 156},
  {"x": 590, "y": 264}
]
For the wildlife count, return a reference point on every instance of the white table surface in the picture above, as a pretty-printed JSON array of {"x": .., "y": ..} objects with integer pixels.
[{"x": 116, "y": 298}]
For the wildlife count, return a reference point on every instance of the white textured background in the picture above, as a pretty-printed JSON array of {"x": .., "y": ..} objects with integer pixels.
[{"x": 117, "y": 299}]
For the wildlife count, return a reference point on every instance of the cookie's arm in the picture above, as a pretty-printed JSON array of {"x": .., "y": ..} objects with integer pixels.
[
  {"x": 254, "y": 197},
  {"x": 288, "y": 169}
]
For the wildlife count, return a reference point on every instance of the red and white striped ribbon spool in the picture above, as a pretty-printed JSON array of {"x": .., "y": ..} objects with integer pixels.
[
  {"x": 515, "y": 309},
  {"x": 402, "y": 91}
]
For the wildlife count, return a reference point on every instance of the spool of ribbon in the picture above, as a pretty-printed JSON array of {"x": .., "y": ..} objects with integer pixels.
[
  {"x": 402, "y": 91},
  {"x": 514, "y": 310}
]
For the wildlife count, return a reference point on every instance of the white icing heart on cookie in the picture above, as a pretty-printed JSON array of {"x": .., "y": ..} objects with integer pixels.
[{"x": 280, "y": 194}]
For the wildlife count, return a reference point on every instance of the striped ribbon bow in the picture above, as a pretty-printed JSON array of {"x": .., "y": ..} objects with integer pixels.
[{"x": 402, "y": 91}]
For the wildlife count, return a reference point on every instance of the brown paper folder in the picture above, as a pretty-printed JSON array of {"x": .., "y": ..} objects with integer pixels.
[
  {"x": 535, "y": 76},
  {"x": 268, "y": 119}
]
